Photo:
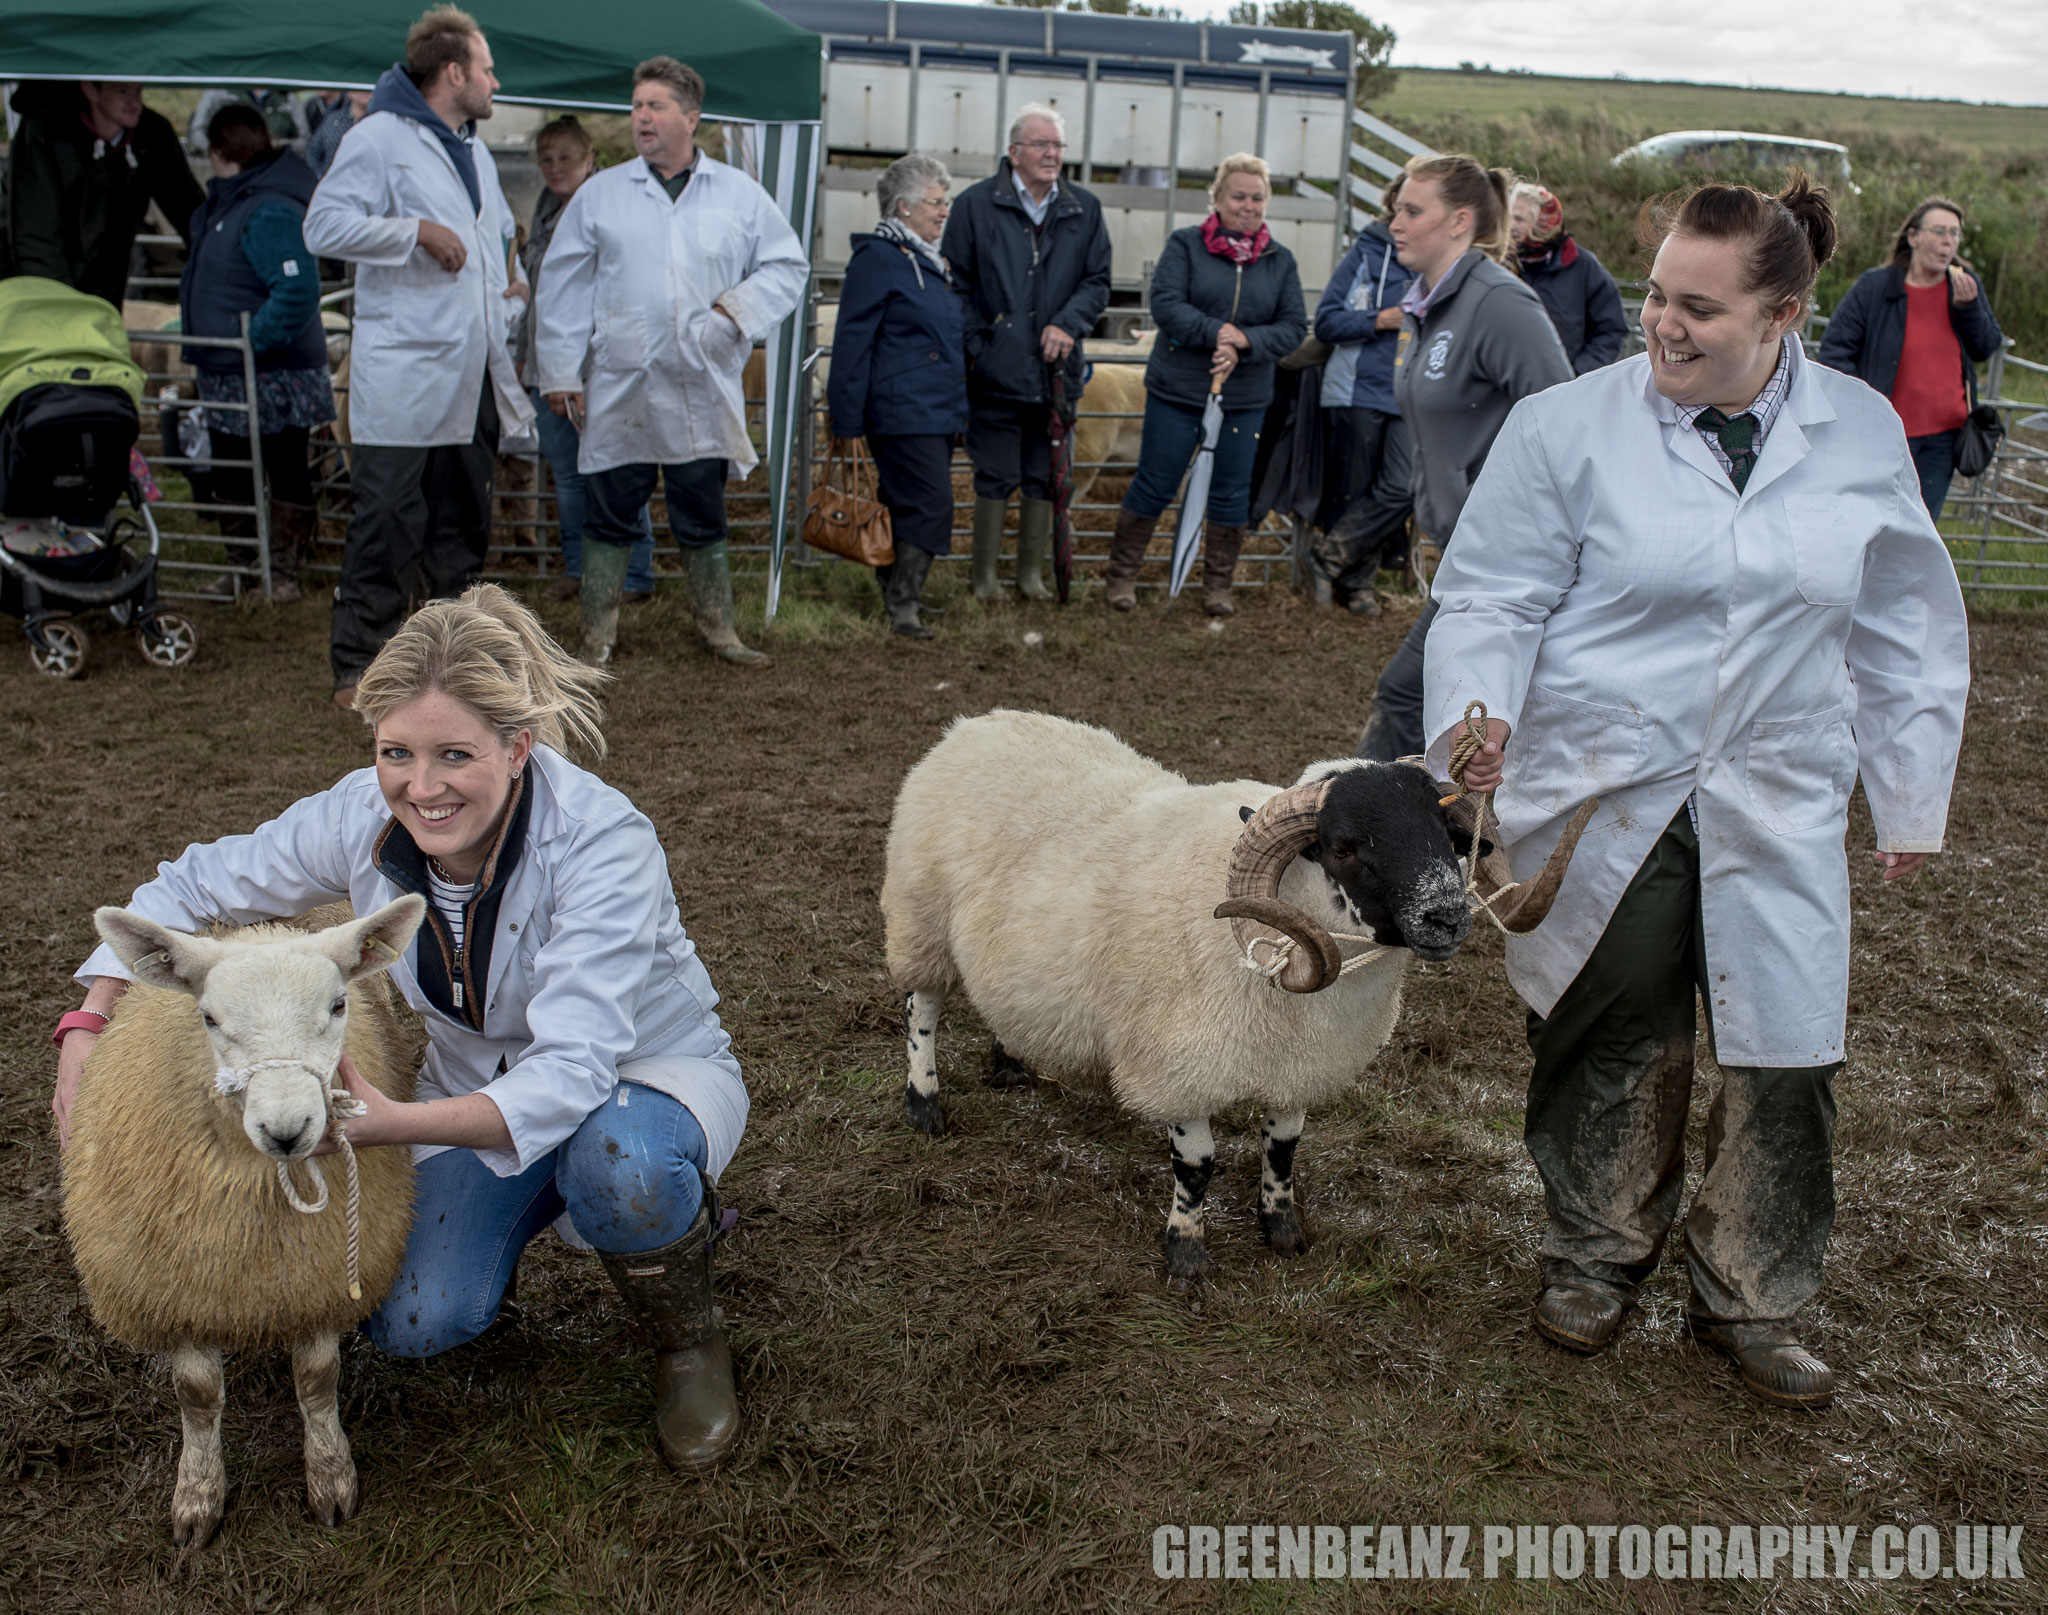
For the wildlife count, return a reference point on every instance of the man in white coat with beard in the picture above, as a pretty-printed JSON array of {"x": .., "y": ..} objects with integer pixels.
[
  {"x": 662, "y": 274},
  {"x": 412, "y": 199},
  {"x": 1701, "y": 586}
]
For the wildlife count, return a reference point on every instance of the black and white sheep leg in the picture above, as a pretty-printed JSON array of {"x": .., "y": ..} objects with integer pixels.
[
  {"x": 921, "y": 1041},
  {"x": 1278, "y": 1219},
  {"x": 330, "y": 1467},
  {"x": 202, "y": 1473},
  {"x": 1194, "y": 1158}
]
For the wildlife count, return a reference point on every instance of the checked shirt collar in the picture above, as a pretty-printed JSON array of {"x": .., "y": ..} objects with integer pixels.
[{"x": 1765, "y": 410}]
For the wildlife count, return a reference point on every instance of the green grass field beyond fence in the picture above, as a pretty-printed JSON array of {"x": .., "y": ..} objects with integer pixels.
[{"x": 1562, "y": 131}]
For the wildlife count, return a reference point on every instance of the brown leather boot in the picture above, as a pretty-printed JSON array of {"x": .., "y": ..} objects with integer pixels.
[
  {"x": 1127, "y": 548},
  {"x": 1219, "y": 567},
  {"x": 291, "y": 541},
  {"x": 668, "y": 1292}
]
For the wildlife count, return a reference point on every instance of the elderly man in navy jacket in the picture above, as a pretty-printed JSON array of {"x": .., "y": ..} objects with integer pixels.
[{"x": 1030, "y": 258}]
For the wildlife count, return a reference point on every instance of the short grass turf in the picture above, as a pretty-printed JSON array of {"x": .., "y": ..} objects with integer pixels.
[{"x": 966, "y": 1385}]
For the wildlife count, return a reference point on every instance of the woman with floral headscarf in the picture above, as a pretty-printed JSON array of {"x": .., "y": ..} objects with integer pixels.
[{"x": 1577, "y": 292}]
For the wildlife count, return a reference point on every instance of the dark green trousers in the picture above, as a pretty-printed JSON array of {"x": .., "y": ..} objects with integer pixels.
[{"x": 1607, "y": 1109}]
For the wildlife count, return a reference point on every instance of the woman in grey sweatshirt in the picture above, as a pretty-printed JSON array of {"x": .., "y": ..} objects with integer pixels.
[{"x": 1474, "y": 343}]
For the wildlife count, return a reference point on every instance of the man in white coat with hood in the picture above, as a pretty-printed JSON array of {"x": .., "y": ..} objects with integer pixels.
[
  {"x": 1701, "y": 586},
  {"x": 413, "y": 201},
  {"x": 662, "y": 274}
]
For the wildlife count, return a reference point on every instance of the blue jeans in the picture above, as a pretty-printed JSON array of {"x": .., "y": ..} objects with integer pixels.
[
  {"x": 1934, "y": 457},
  {"x": 1172, "y": 434},
  {"x": 559, "y": 441},
  {"x": 628, "y": 1177}
]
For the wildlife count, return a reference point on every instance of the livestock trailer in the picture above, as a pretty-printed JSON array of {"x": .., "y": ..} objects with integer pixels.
[{"x": 1151, "y": 106}]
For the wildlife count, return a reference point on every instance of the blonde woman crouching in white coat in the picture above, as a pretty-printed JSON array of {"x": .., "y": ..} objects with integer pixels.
[
  {"x": 1677, "y": 583},
  {"x": 575, "y": 1066}
]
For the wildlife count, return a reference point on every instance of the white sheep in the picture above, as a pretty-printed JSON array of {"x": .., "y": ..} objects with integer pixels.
[
  {"x": 214, "y": 1081},
  {"x": 1071, "y": 888}
]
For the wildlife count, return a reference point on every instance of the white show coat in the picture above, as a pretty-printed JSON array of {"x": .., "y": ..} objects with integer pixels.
[
  {"x": 422, "y": 336},
  {"x": 625, "y": 314},
  {"x": 591, "y": 978},
  {"x": 1650, "y": 634}
]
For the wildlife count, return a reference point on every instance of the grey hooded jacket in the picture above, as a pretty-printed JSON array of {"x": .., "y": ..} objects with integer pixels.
[{"x": 1483, "y": 344}]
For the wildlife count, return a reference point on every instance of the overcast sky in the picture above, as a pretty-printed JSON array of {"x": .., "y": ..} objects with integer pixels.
[{"x": 1970, "y": 50}]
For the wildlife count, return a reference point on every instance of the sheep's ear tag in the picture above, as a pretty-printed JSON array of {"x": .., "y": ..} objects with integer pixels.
[
  {"x": 1244, "y": 815},
  {"x": 382, "y": 946}
]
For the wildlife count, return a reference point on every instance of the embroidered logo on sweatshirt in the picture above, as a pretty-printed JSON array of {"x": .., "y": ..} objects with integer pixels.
[{"x": 1439, "y": 356}]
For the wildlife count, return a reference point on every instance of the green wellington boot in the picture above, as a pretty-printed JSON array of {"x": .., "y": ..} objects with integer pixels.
[
  {"x": 710, "y": 572},
  {"x": 988, "y": 545},
  {"x": 604, "y": 581},
  {"x": 1034, "y": 548},
  {"x": 668, "y": 1293}
]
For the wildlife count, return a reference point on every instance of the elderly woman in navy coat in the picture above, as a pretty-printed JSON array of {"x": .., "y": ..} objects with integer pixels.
[{"x": 899, "y": 374}]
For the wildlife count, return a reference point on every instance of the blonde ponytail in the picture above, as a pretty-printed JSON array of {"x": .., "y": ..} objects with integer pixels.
[{"x": 489, "y": 652}]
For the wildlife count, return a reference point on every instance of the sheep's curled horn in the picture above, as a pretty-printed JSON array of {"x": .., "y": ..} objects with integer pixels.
[
  {"x": 1528, "y": 905},
  {"x": 1273, "y": 838}
]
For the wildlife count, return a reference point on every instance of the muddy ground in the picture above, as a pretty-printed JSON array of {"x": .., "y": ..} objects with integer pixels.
[{"x": 966, "y": 1386}]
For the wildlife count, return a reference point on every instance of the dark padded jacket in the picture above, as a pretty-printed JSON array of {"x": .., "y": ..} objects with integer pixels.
[
  {"x": 1867, "y": 332},
  {"x": 897, "y": 367},
  {"x": 1194, "y": 292},
  {"x": 1583, "y": 302},
  {"x": 76, "y": 204},
  {"x": 221, "y": 281},
  {"x": 1015, "y": 279}
]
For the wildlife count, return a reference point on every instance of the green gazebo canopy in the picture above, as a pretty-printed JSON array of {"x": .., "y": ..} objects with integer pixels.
[{"x": 756, "y": 66}]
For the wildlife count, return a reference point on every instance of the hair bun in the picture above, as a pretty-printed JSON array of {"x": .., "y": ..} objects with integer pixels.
[{"x": 1809, "y": 206}]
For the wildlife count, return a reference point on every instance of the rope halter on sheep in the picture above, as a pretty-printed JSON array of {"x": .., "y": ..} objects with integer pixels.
[{"x": 342, "y": 1106}]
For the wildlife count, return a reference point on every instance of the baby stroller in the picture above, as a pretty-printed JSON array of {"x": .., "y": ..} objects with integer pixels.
[{"x": 68, "y": 424}]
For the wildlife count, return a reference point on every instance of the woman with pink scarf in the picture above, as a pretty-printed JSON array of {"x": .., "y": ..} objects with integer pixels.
[{"x": 1227, "y": 299}]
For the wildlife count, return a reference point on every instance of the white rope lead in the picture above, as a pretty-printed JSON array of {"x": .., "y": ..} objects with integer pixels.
[{"x": 342, "y": 1107}]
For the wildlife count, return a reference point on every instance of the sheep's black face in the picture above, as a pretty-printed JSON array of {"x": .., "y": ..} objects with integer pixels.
[{"x": 1382, "y": 840}]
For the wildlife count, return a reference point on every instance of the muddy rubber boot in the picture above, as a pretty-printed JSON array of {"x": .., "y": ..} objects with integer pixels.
[
  {"x": 710, "y": 573},
  {"x": 1034, "y": 548},
  {"x": 1580, "y": 1320},
  {"x": 604, "y": 581},
  {"x": 1219, "y": 567},
  {"x": 1127, "y": 546},
  {"x": 291, "y": 541},
  {"x": 906, "y": 583},
  {"x": 668, "y": 1294},
  {"x": 988, "y": 546},
  {"x": 1775, "y": 1367}
]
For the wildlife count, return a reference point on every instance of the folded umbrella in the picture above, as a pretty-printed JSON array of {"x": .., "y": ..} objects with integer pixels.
[
  {"x": 1060, "y": 429},
  {"x": 1195, "y": 499}
]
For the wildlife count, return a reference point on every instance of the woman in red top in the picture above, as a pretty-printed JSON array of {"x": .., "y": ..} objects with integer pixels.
[{"x": 1913, "y": 330}]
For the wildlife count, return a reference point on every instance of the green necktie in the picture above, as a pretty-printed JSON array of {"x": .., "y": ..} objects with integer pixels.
[{"x": 1738, "y": 442}]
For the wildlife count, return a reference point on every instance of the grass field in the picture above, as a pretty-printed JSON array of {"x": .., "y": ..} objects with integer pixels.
[{"x": 1425, "y": 95}]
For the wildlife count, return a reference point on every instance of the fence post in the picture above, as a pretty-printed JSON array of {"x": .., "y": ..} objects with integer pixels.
[{"x": 259, "y": 488}]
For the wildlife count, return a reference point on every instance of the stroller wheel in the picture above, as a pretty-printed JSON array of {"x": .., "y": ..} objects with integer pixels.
[
  {"x": 67, "y": 649},
  {"x": 172, "y": 644}
]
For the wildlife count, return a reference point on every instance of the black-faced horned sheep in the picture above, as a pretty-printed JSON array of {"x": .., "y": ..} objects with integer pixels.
[
  {"x": 214, "y": 1077},
  {"x": 1070, "y": 887}
]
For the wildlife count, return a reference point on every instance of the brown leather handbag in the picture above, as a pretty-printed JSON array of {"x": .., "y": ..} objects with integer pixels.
[{"x": 846, "y": 518}]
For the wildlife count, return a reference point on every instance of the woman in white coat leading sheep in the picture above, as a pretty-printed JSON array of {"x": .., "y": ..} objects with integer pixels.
[
  {"x": 575, "y": 1061},
  {"x": 1701, "y": 585}
]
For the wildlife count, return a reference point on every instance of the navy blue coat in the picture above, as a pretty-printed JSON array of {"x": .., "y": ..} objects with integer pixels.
[
  {"x": 1867, "y": 332},
  {"x": 1582, "y": 302},
  {"x": 898, "y": 365},
  {"x": 1362, "y": 367},
  {"x": 1192, "y": 294},
  {"x": 1015, "y": 279}
]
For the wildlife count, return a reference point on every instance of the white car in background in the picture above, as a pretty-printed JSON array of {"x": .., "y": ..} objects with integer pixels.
[{"x": 1739, "y": 153}]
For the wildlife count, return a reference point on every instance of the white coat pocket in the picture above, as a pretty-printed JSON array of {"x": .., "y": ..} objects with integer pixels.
[
  {"x": 1563, "y": 751},
  {"x": 619, "y": 343},
  {"x": 1800, "y": 771},
  {"x": 1827, "y": 548}
]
